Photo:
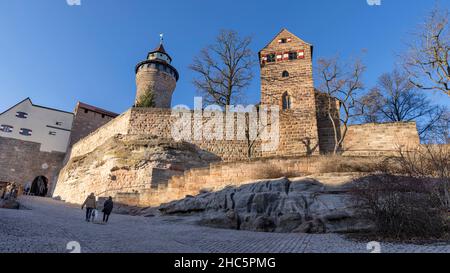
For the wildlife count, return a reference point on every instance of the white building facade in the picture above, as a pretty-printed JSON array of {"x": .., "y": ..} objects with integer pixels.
[{"x": 28, "y": 122}]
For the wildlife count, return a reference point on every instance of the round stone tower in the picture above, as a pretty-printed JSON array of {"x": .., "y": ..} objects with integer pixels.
[{"x": 158, "y": 76}]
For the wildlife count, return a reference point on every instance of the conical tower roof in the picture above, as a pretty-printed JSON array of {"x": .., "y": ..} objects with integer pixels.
[
  {"x": 158, "y": 53},
  {"x": 160, "y": 48}
]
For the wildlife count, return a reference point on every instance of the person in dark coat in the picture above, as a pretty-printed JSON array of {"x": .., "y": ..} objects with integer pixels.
[{"x": 107, "y": 209}]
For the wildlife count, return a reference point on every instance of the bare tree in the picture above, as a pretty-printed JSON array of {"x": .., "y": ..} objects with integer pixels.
[
  {"x": 341, "y": 83},
  {"x": 440, "y": 133},
  {"x": 428, "y": 161},
  {"x": 251, "y": 141},
  {"x": 254, "y": 129},
  {"x": 396, "y": 99},
  {"x": 224, "y": 69},
  {"x": 427, "y": 60},
  {"x": 371, "y": 102}
]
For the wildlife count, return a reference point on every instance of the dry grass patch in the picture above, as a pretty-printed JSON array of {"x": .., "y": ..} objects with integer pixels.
[
  {"x": 272, "y": 171},
  {"x": 347, "y": 164}
]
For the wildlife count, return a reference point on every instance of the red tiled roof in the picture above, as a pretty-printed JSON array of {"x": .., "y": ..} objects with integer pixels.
[
  {"x": 160, "y": 48},
  {"x": 96, "y": 109}
]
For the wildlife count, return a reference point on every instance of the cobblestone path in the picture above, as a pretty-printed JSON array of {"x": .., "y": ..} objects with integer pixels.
[{"x": 49, "y": 225}]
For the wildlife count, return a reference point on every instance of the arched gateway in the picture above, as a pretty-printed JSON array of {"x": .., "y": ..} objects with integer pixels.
[{"x": 39, "y": 187}]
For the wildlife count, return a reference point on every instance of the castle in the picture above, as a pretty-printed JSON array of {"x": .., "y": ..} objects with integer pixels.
[{"x": 93, "y": 162}]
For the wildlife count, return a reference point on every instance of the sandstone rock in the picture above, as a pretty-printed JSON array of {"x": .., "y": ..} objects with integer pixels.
[
  {"x": 265, "y": 224},
  {"x": 288, "y": 222},
  {"x": 314, "y": 226},
  {"x": 126, "y": 165},
  {"x": 221, "y": 220},
  {"x": 279, "y": 205}
]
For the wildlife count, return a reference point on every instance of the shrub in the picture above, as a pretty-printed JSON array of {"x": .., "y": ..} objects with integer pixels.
[
  {"x": 146, "y": 100},
  {"x": 273, "y": 171},
  {"x": 337, "y": 164},
  {"x": 401, "y": 207},
  {"x": 424, "y": 162}
]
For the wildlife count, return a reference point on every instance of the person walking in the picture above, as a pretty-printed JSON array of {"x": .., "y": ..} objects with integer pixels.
[
  {"x": 107, "y": 209},
  {"x": 90, "y": 204}
]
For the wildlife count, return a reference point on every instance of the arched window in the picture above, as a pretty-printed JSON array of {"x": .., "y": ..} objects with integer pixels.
[
  {"x": 286, "y": 101},
  {"x": 285, "y": 74}
]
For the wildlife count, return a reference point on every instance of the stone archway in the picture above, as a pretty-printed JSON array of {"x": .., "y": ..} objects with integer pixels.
[{"x": 39, "y": 187}]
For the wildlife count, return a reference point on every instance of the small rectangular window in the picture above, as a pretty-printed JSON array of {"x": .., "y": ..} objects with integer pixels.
[
  {"x": 271, "y": 58},
  {"x": 59, "y": 123},
  {"x": 25, "y": 132},
  {"x": 21, "y": 115},
  {"x": 52, "y": 133},
  {"x": 85, "y": 111},
  {"x": 292, "y": 55},
  {"x": 6, "y": 128}
]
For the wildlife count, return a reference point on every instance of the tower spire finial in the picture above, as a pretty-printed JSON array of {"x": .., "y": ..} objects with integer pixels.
[{"x": 161, "y": 38}]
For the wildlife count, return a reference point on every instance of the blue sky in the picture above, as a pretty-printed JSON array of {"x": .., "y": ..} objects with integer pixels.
[{"x": 59, "y": 54}]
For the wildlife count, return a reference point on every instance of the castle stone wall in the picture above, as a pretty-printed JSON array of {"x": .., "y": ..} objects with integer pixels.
[
  {"x": 152, "y": 121},
  {"x": 159, "y": 122},
  {"x": 217, "y": 177},
  {"x": 374, "y": 139},
  {"x": 297, "y": 137},
  {"x": 119, "y": 125},
  {"x": 298, "y": 134},
  {"x": 85, "y": 122},
  {"x": 22, "y": 161},
  {"x": 224, "y": 174}
]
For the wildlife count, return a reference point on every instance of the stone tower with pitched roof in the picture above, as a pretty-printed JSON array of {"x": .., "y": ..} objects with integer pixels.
[
  {"x": 287, "y": 81},
  {"x": 158, "y": 76},
  {"x": 286, "y": 73}
]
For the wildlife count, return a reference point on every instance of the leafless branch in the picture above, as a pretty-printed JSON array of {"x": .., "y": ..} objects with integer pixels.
[
  {"x": 427, "y": 58},
  {"x": 396, "y": 99},
  {"x": 224, "y": 69},
  {"x": 341, "y": 83}
]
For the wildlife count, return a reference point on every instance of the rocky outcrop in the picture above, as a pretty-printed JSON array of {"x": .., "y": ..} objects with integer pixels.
[
  {"x": 281, "y": 205},
  {"x": 124, "y": 165}
]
